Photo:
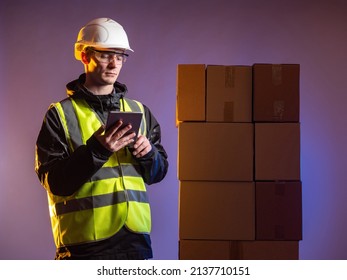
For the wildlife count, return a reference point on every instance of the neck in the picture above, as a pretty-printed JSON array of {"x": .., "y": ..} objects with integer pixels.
[{"x": 99, "y": 90}]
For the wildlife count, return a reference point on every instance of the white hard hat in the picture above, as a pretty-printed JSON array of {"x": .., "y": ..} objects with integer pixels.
[{"x": 101, "y": 33}]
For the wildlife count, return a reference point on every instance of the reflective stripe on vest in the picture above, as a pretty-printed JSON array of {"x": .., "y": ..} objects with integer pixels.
[{"x": 114, "y": 196}]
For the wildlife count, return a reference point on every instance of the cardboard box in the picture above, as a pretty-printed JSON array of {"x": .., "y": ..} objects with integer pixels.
[
  {"x": 264, "y": 250},
  {"x": 217, "y": 210},
  {"x": 204, "y": 250},
  {"x": 215, "y": 151},
  {"x": 278, "y": 211},
  {"x": 277, "y": 151},
  {"x": 238, "y": 250},
  {"x": 190, "y": 93},
  {"x": 228, "y": 93},
  {"x": 276, "y": 92}
]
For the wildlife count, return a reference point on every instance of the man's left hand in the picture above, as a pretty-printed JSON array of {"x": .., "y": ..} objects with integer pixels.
[{"x": 142, "y": 146}]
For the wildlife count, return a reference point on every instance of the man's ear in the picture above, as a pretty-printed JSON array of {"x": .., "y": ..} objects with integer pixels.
[{"x": 85, "y": 58}]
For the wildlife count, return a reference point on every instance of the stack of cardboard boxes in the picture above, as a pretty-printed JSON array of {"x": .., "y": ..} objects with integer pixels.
[{"x": 239, "y": 161}]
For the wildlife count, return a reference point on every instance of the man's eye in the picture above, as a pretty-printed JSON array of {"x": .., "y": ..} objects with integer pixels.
[{"x": 105, "y": 55}]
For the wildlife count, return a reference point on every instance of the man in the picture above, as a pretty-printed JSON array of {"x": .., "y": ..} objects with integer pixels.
[{"x": 94, "y": 178}]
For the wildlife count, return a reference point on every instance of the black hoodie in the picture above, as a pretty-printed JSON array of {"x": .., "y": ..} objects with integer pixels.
[{"x": 62, "y": 172}]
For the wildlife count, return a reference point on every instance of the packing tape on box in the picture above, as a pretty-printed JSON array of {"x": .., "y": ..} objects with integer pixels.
[
  {"x": 229, "y": 76},
  {"x": 276, "y": 74},
  {"x": 278, "y": 110},
  {"x": 235, "y": 250}
]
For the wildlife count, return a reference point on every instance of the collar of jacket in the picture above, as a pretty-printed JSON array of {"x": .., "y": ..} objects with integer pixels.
[{"x": 76, "y": 89}]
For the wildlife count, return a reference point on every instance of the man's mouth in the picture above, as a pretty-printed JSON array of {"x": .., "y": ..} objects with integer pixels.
[{"x": 111, "y": 74}]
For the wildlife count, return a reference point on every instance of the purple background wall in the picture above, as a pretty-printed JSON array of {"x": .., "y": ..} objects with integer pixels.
[{"x": 36, "y": 54}]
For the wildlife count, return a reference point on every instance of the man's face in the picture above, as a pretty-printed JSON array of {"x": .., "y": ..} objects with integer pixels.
[{"x": 104, "y": 66}]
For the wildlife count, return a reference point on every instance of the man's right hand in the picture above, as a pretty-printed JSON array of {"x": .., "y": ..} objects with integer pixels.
[{"x": 113, "y": 139}]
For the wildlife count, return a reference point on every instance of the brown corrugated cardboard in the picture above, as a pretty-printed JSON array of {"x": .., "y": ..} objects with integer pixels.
[
  {"x": 204, "y": 250},
  {"x": 264, "y": 250},
  {"x": 190, "y": 92},
  {"x": 278, "y": 211},
  {"x": 215, "y": 151},
  {"x": 277, "y": 151},
  {"x": 276, "y": 92},
  {"x": 228, "y": 93},
  {"x": 217, "y": 210},
  {"x": 238, "y": 250}
]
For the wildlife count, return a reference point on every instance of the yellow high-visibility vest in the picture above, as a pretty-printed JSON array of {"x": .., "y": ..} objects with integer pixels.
[{"x": 115, "y": 195}]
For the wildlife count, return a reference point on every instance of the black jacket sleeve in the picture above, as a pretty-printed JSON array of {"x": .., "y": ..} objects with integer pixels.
[
  {"x": 63, "y": 172},
  {"x": 154, "y": 165}
]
